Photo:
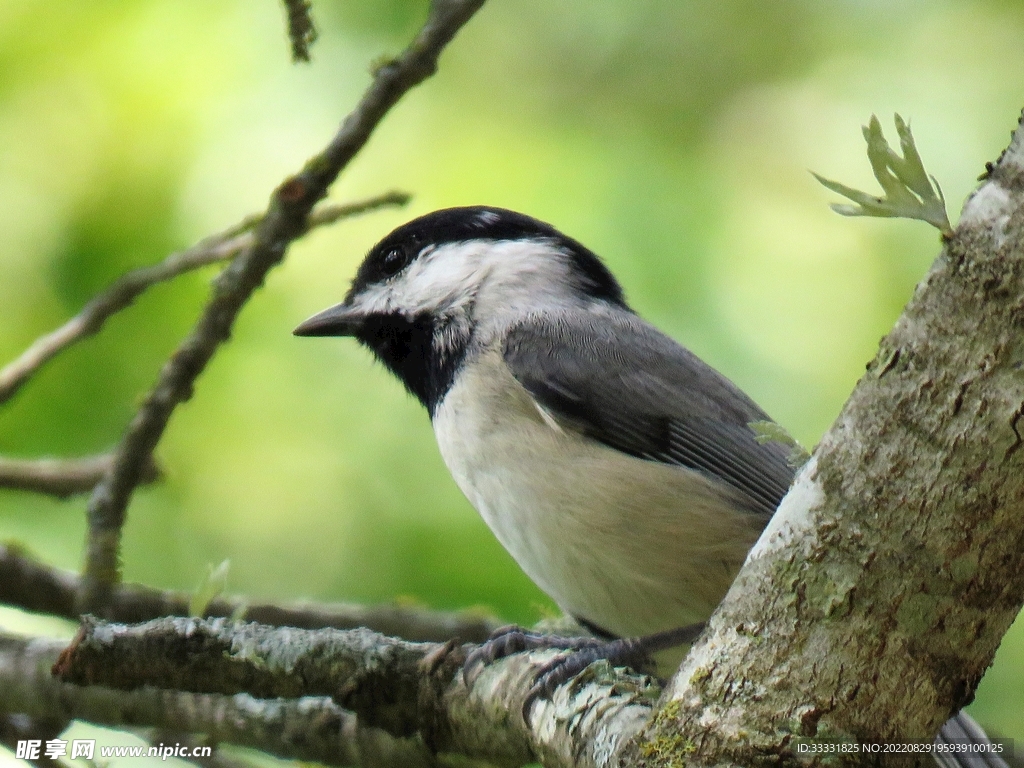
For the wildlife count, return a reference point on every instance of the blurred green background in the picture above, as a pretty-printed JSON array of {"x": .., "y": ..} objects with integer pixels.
[{"x": 673, "y": 137}]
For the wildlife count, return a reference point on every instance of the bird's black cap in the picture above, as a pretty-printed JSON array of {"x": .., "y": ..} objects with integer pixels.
[{"x": 479, "y": 222}]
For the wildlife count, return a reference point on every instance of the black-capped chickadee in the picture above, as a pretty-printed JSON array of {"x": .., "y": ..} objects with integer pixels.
[
  {"x": 615, "y": 466},
  {"x": 618, "y": 469}
]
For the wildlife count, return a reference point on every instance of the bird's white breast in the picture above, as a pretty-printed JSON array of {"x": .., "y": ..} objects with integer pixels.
[{"x": 633, "y": 546}]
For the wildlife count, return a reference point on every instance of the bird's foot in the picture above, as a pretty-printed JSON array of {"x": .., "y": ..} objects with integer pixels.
[
  {"x": 512, "y": 639},
  {"x": 633, "y": 652}
]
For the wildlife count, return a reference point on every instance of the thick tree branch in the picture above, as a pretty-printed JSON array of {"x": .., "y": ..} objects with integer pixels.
[
  {"x": 123, "y": 292},
  {"x": 28, "y": 584},
  {"x": 875, "y": 600},
  {"x": 61, "y": 477},
  {"x": 312, "y": 729},
  {"x": 411, "y": 691},
  {"x": 406, "y": 689},
  {"x": 284, "y": 221}
]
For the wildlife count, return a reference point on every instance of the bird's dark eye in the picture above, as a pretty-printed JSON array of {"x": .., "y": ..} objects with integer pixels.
[{"x": 393, "y": 261}]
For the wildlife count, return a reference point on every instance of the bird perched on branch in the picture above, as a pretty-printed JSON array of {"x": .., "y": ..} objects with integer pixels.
[
  {"x": 618, "y": 469},
  {"x": 615, "y": 466}
]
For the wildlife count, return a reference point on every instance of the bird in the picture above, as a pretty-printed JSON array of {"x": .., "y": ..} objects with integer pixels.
[{"x": 619, "y": 470}]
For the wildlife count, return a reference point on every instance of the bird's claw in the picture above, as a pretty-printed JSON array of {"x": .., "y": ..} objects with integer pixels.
[
  {"x": 583, "y": 651},
  {"x": 558, "y": 671},
  {"x": 512, "y": 639}
]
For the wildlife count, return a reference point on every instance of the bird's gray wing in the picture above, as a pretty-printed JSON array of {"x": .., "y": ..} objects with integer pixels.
[
  {"x": 620, "y": 381},
  {"x": 976, "y": 748}
]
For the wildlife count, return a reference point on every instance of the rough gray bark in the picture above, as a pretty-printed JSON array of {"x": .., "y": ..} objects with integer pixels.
[
  {"x": 312, "y": 729},
  {"x": 877, "y": 597},
  {"x": 413, "y": 696}
]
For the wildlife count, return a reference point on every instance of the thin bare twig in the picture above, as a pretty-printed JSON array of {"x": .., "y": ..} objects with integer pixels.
[
  {"x": 284, "y": 221},
  {"x": 62, "y": 477},
  {"x": 301, "y": 30},
  {"x": 123, "y": 291},
  {"x": 30, "y": 585}
]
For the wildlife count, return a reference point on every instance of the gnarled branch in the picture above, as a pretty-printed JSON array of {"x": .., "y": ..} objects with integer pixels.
[
  {"x": 313, "y": 729},
  {"x": 408, "y": 690}
]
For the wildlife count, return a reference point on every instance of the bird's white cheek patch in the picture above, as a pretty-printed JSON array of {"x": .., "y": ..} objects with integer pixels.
[
  {"x": 375, "y": 300},
  {"x": 451, "y": 276},
  {"x": 442, "y": 278}
]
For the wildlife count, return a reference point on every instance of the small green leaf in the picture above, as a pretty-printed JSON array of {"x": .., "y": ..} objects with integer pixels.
[
  {"x": 213, "y": 586},
  {"x": 910, "y": 193},
  {"x": 770, "y": 432}
]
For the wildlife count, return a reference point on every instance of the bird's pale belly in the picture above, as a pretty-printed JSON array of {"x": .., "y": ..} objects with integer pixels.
[{"x": 630, "y": 545}]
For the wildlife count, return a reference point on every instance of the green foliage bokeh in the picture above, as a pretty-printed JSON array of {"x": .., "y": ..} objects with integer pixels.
[{"x": 672, "y": 137}]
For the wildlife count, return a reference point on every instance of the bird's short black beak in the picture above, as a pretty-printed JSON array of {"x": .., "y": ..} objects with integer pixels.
[{"x": 340, "y": 320}]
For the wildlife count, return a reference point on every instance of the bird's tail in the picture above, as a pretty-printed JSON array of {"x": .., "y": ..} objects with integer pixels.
[{"x": 976, "y": 749}]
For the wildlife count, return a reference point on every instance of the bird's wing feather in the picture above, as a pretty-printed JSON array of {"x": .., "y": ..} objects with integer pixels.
[{"x": 622, "y": 382}]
